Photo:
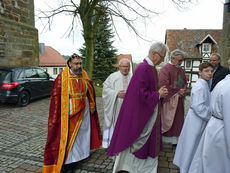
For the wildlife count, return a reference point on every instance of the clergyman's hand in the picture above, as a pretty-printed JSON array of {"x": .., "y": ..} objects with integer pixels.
[
  {"x": 121, "y": 94},
  {"x": 163, "y": 92},
  {"x": 182, "y": 92}
]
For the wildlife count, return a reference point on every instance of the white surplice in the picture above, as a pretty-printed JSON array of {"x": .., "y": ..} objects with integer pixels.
[
  {"x": 112, "y": 104},
  {"x": 213, "y": 152},
  {"x": 81, "y": 146},
  {"x": 194, "y": 125}
]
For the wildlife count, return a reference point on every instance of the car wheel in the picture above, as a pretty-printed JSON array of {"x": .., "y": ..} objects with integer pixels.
[{"x": 24, "y": 98}]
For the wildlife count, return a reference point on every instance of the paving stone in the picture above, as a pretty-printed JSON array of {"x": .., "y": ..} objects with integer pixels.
[
  {"x": 23, "y": 132},
  {"x": 18, "y": 170},
  {"x": 39, "y": 170},
  {"x": 174, "y": 171},
  {"x": 33, "y": 168},
  {"x": 24, "y": 166},
  {"x": 84, "y": 171},
  {"x": 163, "y": 170}
]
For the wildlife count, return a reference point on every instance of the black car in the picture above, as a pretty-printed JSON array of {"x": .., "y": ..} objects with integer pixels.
[{"x": 22, "y": 84}]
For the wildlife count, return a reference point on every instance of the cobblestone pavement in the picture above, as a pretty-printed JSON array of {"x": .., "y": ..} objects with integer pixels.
[{"x": 23, "y": 133}]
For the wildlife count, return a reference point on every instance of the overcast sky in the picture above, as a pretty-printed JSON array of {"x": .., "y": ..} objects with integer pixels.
[{"x": 205, "y": 14}]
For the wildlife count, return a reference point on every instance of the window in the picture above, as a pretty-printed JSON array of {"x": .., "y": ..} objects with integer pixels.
[
  {"x": 21, "y": 75},
  {"x": 42, "y": 74},
  {"x": 60, "y": 70},
  {"x": 206, "y": 49},
  {"x": 54, "y": 71},
  {"x": 188, "y": 63},
  {"x": 3, "y": 74},
  {"x": 45, "y": 69},
  {"x": 31, "y": 73}
]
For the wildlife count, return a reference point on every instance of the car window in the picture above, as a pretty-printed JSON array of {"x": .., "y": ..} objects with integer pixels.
[
  {"x": 31, "y": 73},
  {"x": 21, "y": 75},
  {"x": 42, "y": 73},
  {"x": 4, "y": 75}
]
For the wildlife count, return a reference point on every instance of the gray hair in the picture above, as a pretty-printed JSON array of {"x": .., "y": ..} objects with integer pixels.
[
  {"x": 158, "y": 47},
  {"x": 124, "y": 59},
  {"x": 177, "y": 52},
  {"x": 216, "y": 54}
]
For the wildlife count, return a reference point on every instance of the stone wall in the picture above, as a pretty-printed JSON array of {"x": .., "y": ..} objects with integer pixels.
[
  {"x": 226, "y": 33},
  {"x": 18, "y": 36}
]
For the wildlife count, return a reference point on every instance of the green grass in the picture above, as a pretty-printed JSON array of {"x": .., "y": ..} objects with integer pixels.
[{"x": 98, "y": 91}]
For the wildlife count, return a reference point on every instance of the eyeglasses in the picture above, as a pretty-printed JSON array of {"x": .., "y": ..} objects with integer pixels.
[
  {"x": 160, "y": 55},
  {"x": 77, "y": 63},
  {"x": 124, "y": 66},
  {"x": 179, "y": 60}
]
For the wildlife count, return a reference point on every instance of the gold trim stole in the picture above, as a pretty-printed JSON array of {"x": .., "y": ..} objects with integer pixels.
[
  {"x": 68, "y": 127},
  {"x": 64, "y": 117},
  {"x": 78, "y": 93}
]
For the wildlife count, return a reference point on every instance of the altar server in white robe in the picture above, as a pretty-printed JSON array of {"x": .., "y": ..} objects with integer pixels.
[
  {"x": 213, "y": 152},
  {"x": 196, "y": 119},
  {"x": 114, "y": 89}
]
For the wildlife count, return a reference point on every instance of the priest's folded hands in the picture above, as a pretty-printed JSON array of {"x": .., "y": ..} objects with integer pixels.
[
  {"x": 121, "y": 93},
  {"x": 163, "y": 92}
]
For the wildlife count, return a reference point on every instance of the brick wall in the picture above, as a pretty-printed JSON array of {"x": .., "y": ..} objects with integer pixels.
[
  {"x": 18, "y": 36},
  {"x": 165, "y": 160}
]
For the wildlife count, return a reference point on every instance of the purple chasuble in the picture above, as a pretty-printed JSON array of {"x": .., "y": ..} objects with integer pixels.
[{"x": 138, "y": 106}]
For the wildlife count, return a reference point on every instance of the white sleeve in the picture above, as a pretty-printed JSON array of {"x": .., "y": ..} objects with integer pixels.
[
  {"x": 225, "y": 98},
  {"x": 200, "y": 102},
  {"x": 109, "y": 96}
]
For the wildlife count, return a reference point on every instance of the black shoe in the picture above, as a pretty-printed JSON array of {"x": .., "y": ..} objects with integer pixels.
[
  {"x": 69, "y": 168},
  {"x": 70, "y": 171}
]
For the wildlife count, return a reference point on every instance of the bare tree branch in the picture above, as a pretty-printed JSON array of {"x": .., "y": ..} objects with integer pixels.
[{"x": 90, "y": 11}]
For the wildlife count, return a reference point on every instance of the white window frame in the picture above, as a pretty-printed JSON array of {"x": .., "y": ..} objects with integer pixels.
[
  {"x": 186, "y": 64},
  {"x": 60, "y": 69},
  {"x": 206, "y": 47},
  {"x": 206, "y": 50},
  {"x": 54, "y": 71}
]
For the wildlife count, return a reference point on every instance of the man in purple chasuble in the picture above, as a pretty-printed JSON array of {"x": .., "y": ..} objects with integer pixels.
[
  {"x": 173, "y": 77},
  {"x": 136, "y": 140}
]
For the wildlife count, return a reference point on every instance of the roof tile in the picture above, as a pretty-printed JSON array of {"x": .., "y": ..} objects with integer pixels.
[{"x": 51, "y": 58}]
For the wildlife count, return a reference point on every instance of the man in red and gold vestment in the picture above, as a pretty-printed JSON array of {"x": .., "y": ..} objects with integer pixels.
[{"x": 73, "y": 125}]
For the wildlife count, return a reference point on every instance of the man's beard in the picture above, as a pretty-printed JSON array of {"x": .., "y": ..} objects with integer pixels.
[{"x": 77, "y": 72}]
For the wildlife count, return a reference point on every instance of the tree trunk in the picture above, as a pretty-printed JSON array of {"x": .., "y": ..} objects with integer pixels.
[
  {"x": 87, "y": 14},
  {"x": 89, "y": 56}
]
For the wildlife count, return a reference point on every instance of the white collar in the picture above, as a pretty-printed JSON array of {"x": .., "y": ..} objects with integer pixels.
[
  {"x": 149, "y": 61},
  {"x": 170, "y": 62}
]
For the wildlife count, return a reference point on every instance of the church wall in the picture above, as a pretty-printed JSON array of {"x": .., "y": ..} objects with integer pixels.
[
  {"x": 226, "y": 33},
  {"x": 18, "y": 36}
]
